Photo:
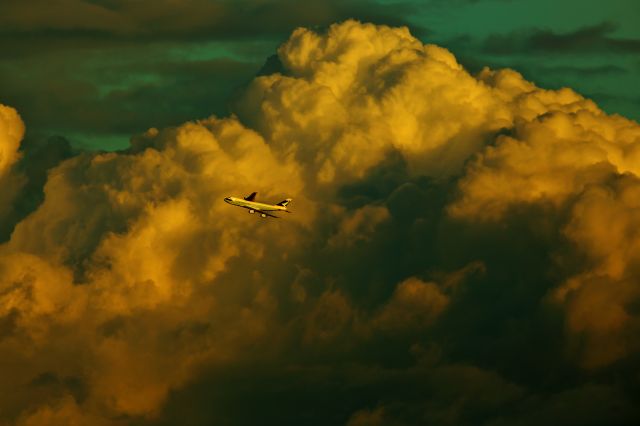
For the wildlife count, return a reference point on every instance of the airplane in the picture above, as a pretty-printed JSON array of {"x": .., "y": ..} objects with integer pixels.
[{"x": 262, "y": 208}]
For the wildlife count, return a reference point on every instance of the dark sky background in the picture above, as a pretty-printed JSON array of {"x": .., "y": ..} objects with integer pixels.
[
  {"x": 463, "y": 246},
  {"x": 97, "y": 72}
]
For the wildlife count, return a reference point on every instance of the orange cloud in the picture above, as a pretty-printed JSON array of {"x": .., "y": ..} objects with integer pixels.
[
  {"x": 11, "y": 133},
  {"x": 132, "y": 279}
]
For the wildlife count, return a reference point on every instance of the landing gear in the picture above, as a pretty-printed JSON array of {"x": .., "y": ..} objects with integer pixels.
[
  {"x": 252, "y": 211},
  {"x": 263, "y": 215}
]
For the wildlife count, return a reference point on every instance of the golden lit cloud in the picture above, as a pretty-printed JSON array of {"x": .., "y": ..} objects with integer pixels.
[
  {"x": 359, "y": 92},
  {"x": 11, "y": 133},
  {"x": 414, "y": 304},
  {"x": 564, "y": 153},
  {"x": 132, "y": 280},
  {"x": 547, "y": 160}
]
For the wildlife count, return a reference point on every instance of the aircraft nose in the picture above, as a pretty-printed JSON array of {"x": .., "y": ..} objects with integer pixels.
[{"x": 227, "y": 199}]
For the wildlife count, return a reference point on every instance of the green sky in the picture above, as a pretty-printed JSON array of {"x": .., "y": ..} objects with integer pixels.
[{"x": 103, "y": 70}]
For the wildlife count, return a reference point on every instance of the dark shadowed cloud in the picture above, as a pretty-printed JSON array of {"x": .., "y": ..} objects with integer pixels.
[
  {"x": 135, "y": 21},
  {"x": 595, "y": 39}
]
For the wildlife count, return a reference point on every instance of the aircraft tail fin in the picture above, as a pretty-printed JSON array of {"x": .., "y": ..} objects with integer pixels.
[
  {"x": 284, "y": 203},
  {"x": 250, "y": 197}
]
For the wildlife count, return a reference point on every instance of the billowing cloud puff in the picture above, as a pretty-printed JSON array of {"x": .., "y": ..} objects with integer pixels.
[
  {"x": 414, "y": 304},
  {"x": 581, "y": 165},
  {"x": 350, "y": 97},
  {"x": 462, "y": 250},
  {"x": 599, "y": 300},
  {"x": 547, "y": 160},
  {"x": 11, "y": 133},
  {"x": 142, "y": 231}
]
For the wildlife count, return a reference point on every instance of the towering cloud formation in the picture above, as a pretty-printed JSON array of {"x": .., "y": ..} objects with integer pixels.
[
  {"x": 464, "y": 249},
  {"x": 353, "y": 95}
]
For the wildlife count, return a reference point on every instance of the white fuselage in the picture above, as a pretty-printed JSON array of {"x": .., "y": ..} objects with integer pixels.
[{"x": 254, "y": 205}]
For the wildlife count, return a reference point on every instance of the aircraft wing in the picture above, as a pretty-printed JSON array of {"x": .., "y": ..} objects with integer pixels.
[{"x": 267, "y": 213}]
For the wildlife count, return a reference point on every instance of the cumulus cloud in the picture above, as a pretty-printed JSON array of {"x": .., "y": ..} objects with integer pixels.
[
  {"x": 414, "y": 304},
  {"x": 573, "y": 159},
  {"x": 11, "y": 132},
  {"x": 352, "y": 96},
  {"x": 11, "y": 181},
  {"x": 139, "y": 242},
  {"x": 462, "y": 250}
]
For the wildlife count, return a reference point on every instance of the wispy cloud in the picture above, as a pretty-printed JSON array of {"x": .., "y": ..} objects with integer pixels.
[{"x": 593, "y": 39}]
